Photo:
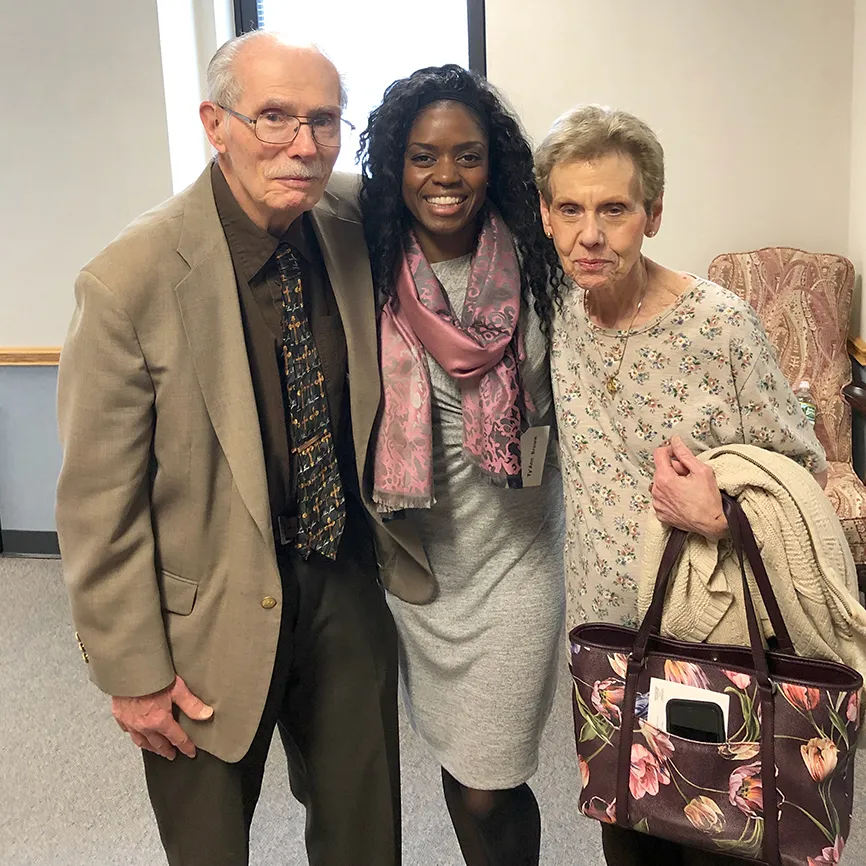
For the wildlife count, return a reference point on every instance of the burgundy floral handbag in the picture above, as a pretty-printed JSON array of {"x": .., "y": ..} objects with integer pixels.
[{"x": 777, "y": 789}]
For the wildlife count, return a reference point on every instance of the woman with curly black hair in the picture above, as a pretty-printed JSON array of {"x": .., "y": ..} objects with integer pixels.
[{"x": 463, "y": 268}]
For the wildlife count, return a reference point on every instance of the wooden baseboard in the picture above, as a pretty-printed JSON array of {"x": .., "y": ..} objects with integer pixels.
[
  {"x": 29, "y": 356},
  {"x": 857, "y": 350}
]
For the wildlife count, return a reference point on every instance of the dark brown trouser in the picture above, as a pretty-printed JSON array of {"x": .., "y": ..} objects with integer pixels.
[
  {"x": 628, "y": 848},
  {"x": 333, "y": 700}
]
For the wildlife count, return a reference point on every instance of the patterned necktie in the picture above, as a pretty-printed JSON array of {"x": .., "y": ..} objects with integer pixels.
[{"x": 321, "y": 506}]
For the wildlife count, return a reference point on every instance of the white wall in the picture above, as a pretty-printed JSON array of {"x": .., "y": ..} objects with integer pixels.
[
  {"x": 83, "y": 148},
  {"x": 857, "y": 233},
  {"x": 751, "y": 101}
]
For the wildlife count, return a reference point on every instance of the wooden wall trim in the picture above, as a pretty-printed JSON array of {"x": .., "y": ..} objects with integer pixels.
[
  {"x": 29, "y": 356},
  {"x": 857, "y": 350},
  {"x": 49, "y": 356}
]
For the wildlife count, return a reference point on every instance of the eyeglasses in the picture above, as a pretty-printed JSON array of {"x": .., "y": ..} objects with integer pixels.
[{"x": 275, "y": 127}]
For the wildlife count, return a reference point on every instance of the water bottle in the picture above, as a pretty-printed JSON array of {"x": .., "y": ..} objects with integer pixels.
[{"x": 807, "y": 402}]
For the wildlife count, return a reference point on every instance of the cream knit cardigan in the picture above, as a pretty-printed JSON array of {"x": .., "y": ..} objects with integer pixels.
[{"x": 804, "y": 550}]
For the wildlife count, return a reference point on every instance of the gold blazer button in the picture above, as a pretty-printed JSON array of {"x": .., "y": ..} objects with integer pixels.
[
  {"x": 82, "y": 649},
  {"x": 268, "y": 602}
]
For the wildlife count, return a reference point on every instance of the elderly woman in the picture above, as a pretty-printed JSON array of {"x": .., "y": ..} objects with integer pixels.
[
  {"x": 650, "y": 365},
  {"x": 459, "y": 257}
]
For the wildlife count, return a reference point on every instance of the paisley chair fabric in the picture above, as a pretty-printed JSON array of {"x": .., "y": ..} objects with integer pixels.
[{"x": 804, "y": 302}]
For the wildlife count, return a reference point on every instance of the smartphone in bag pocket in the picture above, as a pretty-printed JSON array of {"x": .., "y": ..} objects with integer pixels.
[{"x": 695, "y": 720}]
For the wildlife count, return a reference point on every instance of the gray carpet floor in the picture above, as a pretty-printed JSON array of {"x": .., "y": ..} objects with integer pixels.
[{"x": 72, "y": 791}]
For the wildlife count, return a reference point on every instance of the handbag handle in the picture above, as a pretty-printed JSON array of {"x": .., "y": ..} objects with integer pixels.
[
  {"x": 733, "y": 514},
  {"x": 744, "y": 540},
  {"x": 746, "y": 547}
]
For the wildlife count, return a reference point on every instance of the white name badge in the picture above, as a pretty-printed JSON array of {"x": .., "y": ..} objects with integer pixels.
[
  {"x": 533, "y": 450},
  {"x": 661, "y": 691}
]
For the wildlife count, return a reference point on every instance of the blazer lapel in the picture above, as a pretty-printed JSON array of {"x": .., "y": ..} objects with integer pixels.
[
  {"x": 211, "y": 315},
  {"x": 345, "y": 253}
]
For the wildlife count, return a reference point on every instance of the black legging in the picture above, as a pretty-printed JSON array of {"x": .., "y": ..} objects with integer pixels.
[{"x": 494, "y": 828}]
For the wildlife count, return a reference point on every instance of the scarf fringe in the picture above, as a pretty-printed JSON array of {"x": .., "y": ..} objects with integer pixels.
[{"x": 387, "y": 503}]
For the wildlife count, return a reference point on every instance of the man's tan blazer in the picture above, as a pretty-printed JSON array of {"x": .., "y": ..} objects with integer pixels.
[{"x": 162, "y": 504}]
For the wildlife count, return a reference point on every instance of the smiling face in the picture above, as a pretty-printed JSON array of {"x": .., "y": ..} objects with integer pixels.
[
  {"x": 597, "y": 218},
  {"x": 275, "y": 183},
  {"x": 445, "y": 172}
]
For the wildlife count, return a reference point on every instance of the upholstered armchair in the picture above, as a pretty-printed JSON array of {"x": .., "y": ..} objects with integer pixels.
[{"x": 804, "y": 302}]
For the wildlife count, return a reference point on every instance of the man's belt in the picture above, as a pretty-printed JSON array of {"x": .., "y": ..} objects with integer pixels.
[{"x": 287, "y": 529}]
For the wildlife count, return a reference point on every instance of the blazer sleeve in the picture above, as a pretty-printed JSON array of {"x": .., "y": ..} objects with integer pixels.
[{"x": 106, "y": 418}]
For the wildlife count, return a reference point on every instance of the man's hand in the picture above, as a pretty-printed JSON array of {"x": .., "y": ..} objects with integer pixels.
[
  {"x": 150, "y": 724},
  {"x": 685, "y": 493}
]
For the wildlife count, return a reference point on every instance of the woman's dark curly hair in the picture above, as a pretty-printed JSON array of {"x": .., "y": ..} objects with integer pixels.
[{"x": 512, "y": 186}]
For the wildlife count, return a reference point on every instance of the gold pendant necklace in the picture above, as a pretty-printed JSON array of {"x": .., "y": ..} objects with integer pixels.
[{"x": 611, "y": 385}]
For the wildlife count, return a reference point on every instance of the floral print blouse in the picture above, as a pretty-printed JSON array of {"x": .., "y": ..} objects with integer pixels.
[{"x": 702, "y": 369}]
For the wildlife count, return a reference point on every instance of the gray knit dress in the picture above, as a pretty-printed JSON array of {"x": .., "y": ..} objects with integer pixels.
[{"x": 479, "y": 663}]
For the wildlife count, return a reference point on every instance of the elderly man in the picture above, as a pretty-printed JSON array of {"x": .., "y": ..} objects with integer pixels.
[{"x": 219, "y": 564}]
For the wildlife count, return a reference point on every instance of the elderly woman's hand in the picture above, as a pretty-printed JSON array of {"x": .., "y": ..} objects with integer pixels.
[{"x": 685, "y": 493}]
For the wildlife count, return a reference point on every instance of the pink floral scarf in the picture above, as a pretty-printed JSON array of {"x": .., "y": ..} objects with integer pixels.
[{"x": 481, "y": 350}]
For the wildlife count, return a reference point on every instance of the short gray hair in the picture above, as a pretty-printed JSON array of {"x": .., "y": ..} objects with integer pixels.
[
  {"x": 589, "y": 132},
  {"x": 223, "y": 86}
]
